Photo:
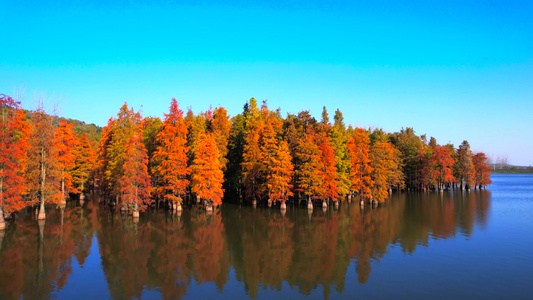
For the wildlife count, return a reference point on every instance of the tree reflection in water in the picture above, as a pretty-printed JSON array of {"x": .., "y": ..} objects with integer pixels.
[{"x": 167, "y": 253}]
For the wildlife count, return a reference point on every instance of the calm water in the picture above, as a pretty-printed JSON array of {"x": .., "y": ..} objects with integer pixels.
[{"x": 421, "y": 245}]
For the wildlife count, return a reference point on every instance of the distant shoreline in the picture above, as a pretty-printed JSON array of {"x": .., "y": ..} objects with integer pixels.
[{"x": 513, "y": 171}]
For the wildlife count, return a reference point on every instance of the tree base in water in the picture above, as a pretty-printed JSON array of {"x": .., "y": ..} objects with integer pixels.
[
  {"x": 283, "y": 206},
  {"x": 41, "y": 216},
  {"x": 135, "y": 214},
  {"x": 2, "y": 225}
]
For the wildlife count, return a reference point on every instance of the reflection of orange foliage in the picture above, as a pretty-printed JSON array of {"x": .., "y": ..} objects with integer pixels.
[
  {"x": 169, "y": 259},
  {"x": 208, "y": 243},
  {"x": 11, "y": 271},
  {"x": 165, "y": 251}
]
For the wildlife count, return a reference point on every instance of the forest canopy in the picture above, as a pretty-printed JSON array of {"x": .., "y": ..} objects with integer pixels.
[{"x": 255, "y": 157}]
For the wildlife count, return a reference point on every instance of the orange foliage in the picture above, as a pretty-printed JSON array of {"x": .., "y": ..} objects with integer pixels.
[
  {"x": 310, "y": 174},
  {"x": 14, "y": 131},
  {"x": 135, "y": 183},
  {"x": 361, "y": 169},
  {"x": 384, "y": 159},
  {"x": 482, "y": 178},
  {"x": 441, "y": 164},
  {"x": 207, "y": 176},
  {"x": 329, "y": 172},
  {"x": 280, "y": 172},
  {"x": 42, "y": 171},
  {"x": 171, "y": 156},
  {"x": 84, "y": 163},
  {"x": 65, "y": 140}
]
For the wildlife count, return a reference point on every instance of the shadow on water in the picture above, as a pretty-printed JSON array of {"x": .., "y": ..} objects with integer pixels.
[{"x": 261, "y": 248}]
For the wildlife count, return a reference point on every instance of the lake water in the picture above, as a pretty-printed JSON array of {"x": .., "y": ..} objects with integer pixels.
[{"x": 454, "y": 245}]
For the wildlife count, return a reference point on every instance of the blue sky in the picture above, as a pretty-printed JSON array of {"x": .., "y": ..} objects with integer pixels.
[{"x": 454, "y": 70}]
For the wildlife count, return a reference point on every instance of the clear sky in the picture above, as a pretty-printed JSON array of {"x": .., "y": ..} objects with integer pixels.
[{"x": 454, "y": 70}]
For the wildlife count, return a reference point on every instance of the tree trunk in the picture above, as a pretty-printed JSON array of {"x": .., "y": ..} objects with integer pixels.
[
  {"x": 42, "y": 214},
  {"x": 63, "y": 198},
  {"x": 283, "y": 206},
  {"x": 309, "y": 204},
  {"x": 2, "y": 221},
  {"x": 135, "y": 210}
]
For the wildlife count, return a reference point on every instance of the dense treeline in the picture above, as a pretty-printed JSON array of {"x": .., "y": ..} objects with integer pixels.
[
  {"x": 43, "y": 159},
  {"x": 257, "y": 157}
]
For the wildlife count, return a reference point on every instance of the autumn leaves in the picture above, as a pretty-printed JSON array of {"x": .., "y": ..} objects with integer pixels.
[
  {"x": 258, "y": 157},
  {"x": 186, "y": 157},
  {"x": 40, "y": 161}
]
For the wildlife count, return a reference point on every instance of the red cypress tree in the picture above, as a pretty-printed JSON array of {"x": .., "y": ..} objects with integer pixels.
[
  {"x": 207, "y": 176},
  {"x": 135, "y": 183},
  {"x": 482, "y": 178},
  {"x": 280, "y": 173},
  {"x": 14, "y": 132},
  {"x": 84, "y": 163},
  {"x": 361, "y": 169},
  {"x": 65, "y": 141},
  {"x": 441, "y": 166},
  {"x": 464, "y": 166},
  {"x": 329, "y": 172},
  {"x": 171, "y": 157},
  {"x": 310, "y": 175},
  {"x": 122, "y": 130},
  {"x": 42, "y": 171},
  {"x": 384, "y": 164}
]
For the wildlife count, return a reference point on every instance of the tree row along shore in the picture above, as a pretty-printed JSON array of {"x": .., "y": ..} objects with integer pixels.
[{"x": 256, "y": 157}]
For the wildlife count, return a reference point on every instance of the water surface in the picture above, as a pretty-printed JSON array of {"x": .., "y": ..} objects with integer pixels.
[{"x": 419, "y": 245}]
